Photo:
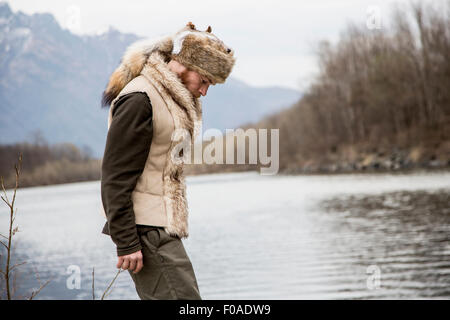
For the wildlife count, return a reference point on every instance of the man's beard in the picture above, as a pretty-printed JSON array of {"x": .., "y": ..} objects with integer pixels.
[{"x": 184, "y": 80}]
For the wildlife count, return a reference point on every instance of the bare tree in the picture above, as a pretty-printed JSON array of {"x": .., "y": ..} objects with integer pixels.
[{"x": 8, "y": 245}]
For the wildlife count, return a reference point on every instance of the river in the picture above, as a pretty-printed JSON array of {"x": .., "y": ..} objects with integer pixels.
[{"x": 346, "y": 236}]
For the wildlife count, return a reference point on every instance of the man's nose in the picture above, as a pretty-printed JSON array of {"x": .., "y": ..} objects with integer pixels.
[{"x": 203, "y": 90}]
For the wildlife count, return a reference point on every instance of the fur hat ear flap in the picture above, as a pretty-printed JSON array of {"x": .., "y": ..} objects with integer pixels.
[
  {"x": 128, "y": 69},
  {"x": 132, "y": 63}
]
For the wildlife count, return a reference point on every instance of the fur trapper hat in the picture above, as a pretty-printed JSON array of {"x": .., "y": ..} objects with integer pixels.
[
  {"x": 203, "y": 52},
  {"x": 200, "y": 51}
]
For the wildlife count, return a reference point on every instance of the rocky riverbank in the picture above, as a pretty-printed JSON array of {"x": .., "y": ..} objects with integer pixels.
[{"x": 395, "y": 160}]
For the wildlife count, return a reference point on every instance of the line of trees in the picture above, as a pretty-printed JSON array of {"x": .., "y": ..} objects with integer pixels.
[
  {"x": 375, "y": 83},
  {"x": 377, "y": 90},
  {"x": 381, "y": 99},
  {"x": 45, "y": 164}
]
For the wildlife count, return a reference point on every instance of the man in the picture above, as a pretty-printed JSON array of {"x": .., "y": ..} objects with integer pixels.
[{"x": 154, "y": 92}]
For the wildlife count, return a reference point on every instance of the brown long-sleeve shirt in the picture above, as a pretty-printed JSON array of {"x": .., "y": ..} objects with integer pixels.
[{"x": 126, "y": 151}]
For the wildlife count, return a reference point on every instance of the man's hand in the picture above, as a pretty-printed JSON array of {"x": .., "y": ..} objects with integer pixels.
[{"x": 131, "y": 262}]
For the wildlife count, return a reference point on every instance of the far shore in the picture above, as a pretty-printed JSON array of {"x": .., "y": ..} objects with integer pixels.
[{"x": 293, "y": 172}]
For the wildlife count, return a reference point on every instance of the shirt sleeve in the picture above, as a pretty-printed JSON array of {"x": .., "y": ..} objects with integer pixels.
[{"x": 126, "y": 151}]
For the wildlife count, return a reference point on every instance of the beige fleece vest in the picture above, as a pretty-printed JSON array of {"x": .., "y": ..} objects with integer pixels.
[{"x": 159, "y": 198}]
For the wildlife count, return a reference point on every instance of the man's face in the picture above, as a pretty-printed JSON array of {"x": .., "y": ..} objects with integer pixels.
[{"x": 196, "y": 83}]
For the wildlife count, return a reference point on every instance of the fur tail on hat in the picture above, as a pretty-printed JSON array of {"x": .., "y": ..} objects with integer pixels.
[{"x": 132, "y": 63}]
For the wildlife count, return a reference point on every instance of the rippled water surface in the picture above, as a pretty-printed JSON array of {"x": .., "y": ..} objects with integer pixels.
[{"x": 357, "y": 236}]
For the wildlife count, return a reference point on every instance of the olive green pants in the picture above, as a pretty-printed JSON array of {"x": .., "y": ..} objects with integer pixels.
[{"x": 167, "y": 273}]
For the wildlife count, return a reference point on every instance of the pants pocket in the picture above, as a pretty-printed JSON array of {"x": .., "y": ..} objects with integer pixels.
[
  {"x": 151, "y": 239},
  {"x": 167, "y": 272}
]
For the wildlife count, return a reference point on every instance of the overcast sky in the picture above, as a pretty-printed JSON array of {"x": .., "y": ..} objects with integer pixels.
[{"x": 274, "y": 41}]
